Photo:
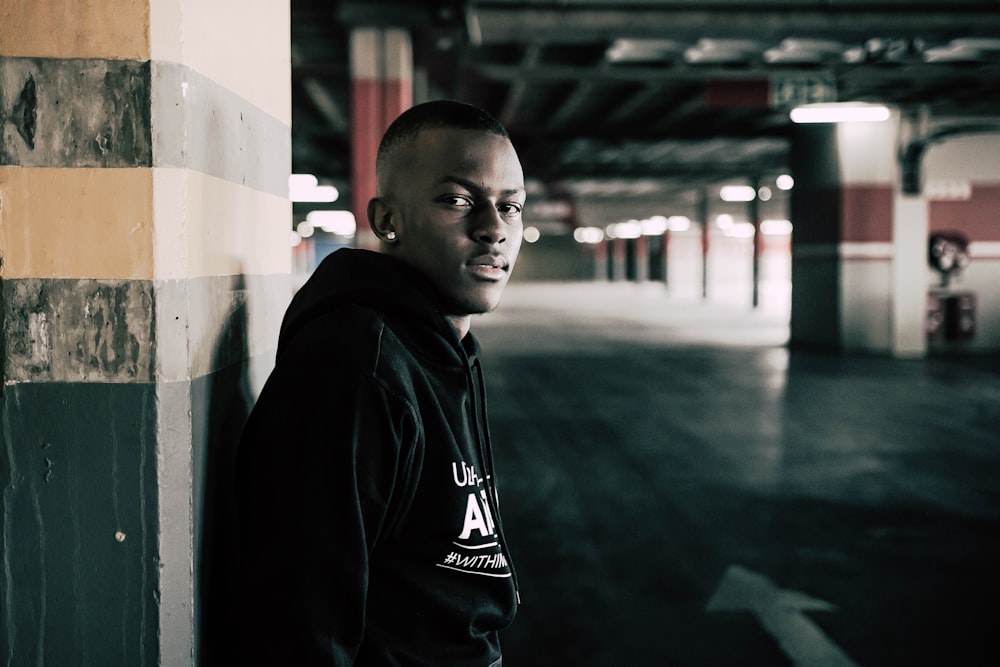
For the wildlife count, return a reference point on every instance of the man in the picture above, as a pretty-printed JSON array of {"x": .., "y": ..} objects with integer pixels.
[{"x": 367, "y": 498}]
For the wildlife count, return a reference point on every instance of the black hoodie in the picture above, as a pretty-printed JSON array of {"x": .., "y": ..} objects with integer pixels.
[{"x": 367, "y": 498}]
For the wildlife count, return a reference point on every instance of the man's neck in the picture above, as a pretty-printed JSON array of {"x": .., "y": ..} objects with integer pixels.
[{"x": 462, "y": 323}]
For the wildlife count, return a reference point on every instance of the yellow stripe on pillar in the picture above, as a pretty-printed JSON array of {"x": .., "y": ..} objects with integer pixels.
[
  {"x": 106, "y": 29},
  {"x": 76, "y": 223}
]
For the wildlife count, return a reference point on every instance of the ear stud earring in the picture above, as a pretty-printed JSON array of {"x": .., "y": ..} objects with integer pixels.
[{"x": 390, "y": 235}]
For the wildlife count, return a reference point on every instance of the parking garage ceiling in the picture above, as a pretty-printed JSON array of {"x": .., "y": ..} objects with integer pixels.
[{"x": 606, "y": 98}]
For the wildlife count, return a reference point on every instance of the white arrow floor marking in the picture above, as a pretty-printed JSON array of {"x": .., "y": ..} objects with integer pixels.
[{"x": 780, "y": 612}]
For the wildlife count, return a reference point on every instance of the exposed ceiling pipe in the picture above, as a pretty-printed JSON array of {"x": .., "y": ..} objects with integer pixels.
[{"x": 912, "y": 154}]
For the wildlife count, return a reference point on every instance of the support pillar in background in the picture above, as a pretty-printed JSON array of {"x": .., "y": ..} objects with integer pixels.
[
  {"x": 144, "y": 234},
  {"x": 753, "y": 213},
  {"x": 381, "y": 89},
  {"x": 599, "y": 256},
  {"x": 618, "y": 259},
  {"x": 659, "y": 247},
  {"x": 641, "y": 250},
  {"x": 856, "y": 265},
  {"x": 910, "y": 230},
  {"x": 706, "y": 227}
]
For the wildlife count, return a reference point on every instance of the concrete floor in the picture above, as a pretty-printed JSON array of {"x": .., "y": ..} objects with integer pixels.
[{"x": 680, "y": 489}]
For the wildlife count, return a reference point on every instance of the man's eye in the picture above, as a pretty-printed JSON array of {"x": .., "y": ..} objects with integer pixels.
[
  {"x": 456, "y": 200},
  {"x": 509, "y": 209}
]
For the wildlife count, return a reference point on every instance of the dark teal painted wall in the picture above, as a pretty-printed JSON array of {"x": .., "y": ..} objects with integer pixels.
[{"x": 79, "y": 535}]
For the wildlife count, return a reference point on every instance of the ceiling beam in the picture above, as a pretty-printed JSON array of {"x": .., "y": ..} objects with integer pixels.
[
  {"x": 517, "y": 89},
  {"x": 503, "y": 24},
  {"x": 582, "y": 92},
  {"x": 871, "y": 72}
]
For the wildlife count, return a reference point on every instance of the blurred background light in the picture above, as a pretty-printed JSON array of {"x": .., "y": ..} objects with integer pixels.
[
  {"x": 679, "y": 223},
  {"x": 341, "y": 223},
  {"x": 305, "y": 229},
  {"x": 774, "y": 227},
  {"x": 628, "y": 230},
  {"x": 588, "y": 234},
  {"x": 724, "y": 221},
  {"x": 629, "y": 50},
  {"x": 737, "y": 193},
  {"x": 840, "y": 112},
  {"x": 306, "y": 188},
  {"x": 654, "y": 226}
]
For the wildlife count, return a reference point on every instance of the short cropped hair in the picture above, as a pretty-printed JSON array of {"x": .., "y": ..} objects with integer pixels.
[{"x": 434, "y": 114}]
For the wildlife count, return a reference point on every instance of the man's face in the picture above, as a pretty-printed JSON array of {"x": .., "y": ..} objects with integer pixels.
[{"x": 455, "y": 198}]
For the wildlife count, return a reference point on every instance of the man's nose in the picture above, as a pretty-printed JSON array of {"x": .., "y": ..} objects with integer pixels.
[{"x": 488, "y": 226}]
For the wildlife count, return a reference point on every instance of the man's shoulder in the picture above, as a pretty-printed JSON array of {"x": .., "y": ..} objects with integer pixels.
[{"x": 346, "y": 325}]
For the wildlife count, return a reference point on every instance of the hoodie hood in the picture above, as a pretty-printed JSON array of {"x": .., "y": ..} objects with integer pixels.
[{"x": 407, "y": 300}]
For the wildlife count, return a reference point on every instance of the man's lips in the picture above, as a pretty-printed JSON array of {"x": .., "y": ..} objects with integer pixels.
[
  {"x": 495, "y": 261},
  {"x": 489, "y": 267}
]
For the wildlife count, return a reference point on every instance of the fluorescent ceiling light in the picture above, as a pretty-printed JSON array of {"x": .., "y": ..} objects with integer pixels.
[
  {"x": 840, "y": 112},
  {"x": 724, "y": 221},
  {"x": 679, "y": 223},
  {"x": 654, "y": 226},
  {"x": 643, "y": 50},
  {"x": 776, "y": 227},
  {"x": 709, "y": 51},
  {"x": 306, "y": 188},
  {"x": 341, "y": 223},
  {"x": 305, "y": 229},
  {"x": 625, "y": 230},
  {"x": 737, "y": 193},
  {"x": 588, "y": 234}
]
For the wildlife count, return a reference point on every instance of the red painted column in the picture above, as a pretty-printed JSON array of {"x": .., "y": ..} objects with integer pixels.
[
  {"x": 381, "y": 89},
  {"x": 705, "y": 236}
]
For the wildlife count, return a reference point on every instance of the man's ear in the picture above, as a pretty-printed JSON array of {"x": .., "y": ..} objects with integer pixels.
[{"x": 380, "y": 219}]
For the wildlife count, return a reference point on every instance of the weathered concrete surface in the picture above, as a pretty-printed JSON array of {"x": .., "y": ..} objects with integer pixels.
[
  {"x": 79, "y": 527},
  {"x": 78, "y": 330},
  {"x": 101, "y": 113},
  {"x": 198, "y": 124},
  {"x": 75, "y": 113},
  {"x": 209, "y": 323}
]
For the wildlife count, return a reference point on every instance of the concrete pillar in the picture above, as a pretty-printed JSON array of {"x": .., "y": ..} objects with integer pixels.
[
  {"x": 144, "y": 236},
  {"x": 706, "y": 226},
  {"x": 909, "y": 276},
  {"x": 844, "y": 280},
  {"x": 641, "y": 250},
  {"x": 599, "y": 255},
  {"x": 659, "y": 246},
  {"x": 381, "y": 89},
  {"x": 962, "y": 194},
  {"x": 618, "y": 258},
  {"x": 753, "y": 213}
]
